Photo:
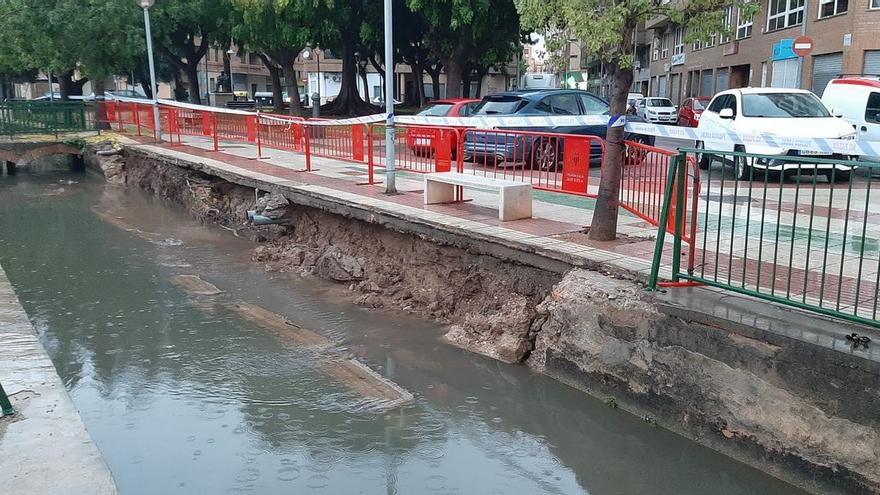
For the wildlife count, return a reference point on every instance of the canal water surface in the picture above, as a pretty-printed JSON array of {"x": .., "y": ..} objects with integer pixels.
[{"x": 182, "y": 396}]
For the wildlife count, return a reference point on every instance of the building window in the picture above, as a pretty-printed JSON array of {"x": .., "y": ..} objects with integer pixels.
[
  {"x": 728, "y": 19},
  {"x": 698, "y": 45},
  {"x": 655, "y": 49},
  {"x": 744, "y": 27},
  {"x": 784, "y": 13},
  {"x": 664, "y": 46},
  {"x": 828, "y": 8},
  {"x": 875, "y": 4},
  {"x": 678, "y": 48},
  {"x": 711, "y": 41}
]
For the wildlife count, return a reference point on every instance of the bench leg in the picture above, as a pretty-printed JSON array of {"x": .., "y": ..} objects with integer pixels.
[
  {"x": 516, "y": 204},
  {"x": 438, "y": 192}
]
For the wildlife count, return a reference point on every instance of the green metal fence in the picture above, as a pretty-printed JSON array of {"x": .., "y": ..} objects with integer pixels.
[
  {"x": 44, "y": 117},
  {"x": 797, "y": 230}
]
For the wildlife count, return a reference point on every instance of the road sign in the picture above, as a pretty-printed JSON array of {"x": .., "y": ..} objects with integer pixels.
[{"x": 803, "y": 45}]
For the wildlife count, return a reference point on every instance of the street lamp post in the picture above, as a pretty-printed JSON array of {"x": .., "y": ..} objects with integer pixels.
[
  {"x": 390, "y": 186},
  {"x": 146, "y": 4}
]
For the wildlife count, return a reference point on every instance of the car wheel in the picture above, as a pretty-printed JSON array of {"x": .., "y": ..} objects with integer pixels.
[
  {"x": 741, "y": 166},
  {"x": 703, "y": 159},
  {"x": 545, "y": 156}
]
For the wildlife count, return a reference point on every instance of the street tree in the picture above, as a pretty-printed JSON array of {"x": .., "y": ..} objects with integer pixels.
[
  {"x": 184, "y": 30},
  {"x": 469, "y": 36},
  {"x": 278, "y": 30},
  {"x": 607, "y": 29}
]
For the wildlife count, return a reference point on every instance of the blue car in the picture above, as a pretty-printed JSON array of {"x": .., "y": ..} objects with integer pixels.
[{"x": 539, "y": 152}]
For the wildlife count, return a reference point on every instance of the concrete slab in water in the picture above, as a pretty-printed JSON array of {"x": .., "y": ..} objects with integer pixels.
[
  {"x": 44, "y": 448},
  {"x": 361, "y": 379},
  {"x": 278, "y": 324},
  {"x": 193, "y": 284},
  {"x": 121, "y": 224},
  {"x": 379, "y": 392}
]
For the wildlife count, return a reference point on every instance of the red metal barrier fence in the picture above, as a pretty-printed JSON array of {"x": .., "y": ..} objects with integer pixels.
[
  {"x": 643, "y": 186},
  {"x": 548, "y": 161},
  {"x": 417, "y": 148}
]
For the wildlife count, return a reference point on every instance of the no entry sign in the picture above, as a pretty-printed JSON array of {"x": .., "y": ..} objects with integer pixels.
[{"x": 803, "y": 45}]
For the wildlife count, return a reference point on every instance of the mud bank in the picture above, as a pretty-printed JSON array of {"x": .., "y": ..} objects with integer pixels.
[{"x": 805, "y": 413}]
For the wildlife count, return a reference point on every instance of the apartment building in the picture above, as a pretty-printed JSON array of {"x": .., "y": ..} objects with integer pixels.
[{"x": 758, "y": 50}]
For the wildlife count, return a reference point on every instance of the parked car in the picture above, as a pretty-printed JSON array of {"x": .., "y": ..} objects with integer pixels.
[
  {"x": 857, "y": 100},
  {"x": 657, "y": 110},
  {"x": 691, "y": 109},
  {"x": 421, "y": 141},
  {"x": 772, "y": 111},
  {"x": 536, "y": 152}
]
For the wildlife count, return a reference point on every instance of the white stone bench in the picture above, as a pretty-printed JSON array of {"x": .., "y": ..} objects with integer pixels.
[{"x": 515, "y": 197}]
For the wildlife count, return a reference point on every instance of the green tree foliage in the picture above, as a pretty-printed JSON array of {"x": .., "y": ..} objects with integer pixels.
[
  {"x": 278, "y": 30},
  {"x": 607, "y": 28},
  {"x": 184, "y": 30},
  {"x": 469, "y": 36},
  {"x": 60, "y": 36}
]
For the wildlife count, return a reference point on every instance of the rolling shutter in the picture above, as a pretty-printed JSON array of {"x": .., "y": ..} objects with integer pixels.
[
  {"x": 723, "y": 80},
  {"x": 872, "y": 63},
  {"x": 825, "y": 68},
  {"x": 706, "y": 83}
]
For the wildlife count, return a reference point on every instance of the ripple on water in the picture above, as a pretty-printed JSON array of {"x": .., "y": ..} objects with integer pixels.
[
  {"x": 289, "y": 473},
  {"x": 317, "y": 481}
]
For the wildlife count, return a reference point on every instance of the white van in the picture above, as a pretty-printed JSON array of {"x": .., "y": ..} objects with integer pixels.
[{"x": 857, "y": 100}]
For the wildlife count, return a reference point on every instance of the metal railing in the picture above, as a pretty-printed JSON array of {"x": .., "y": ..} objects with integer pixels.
[
  {"x": 6, "y": 408},
  {"x": 776, "y": 228},
  {"x": 44, "y": 117}
]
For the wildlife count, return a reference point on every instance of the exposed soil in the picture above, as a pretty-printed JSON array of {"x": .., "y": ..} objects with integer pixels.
[{"x": 490, "y": 304}]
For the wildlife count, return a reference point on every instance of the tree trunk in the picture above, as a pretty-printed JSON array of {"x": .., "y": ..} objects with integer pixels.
[
  {"x": 435, "y": 83},
  {"x": 292, "y": 89},
  {"x": 604, "y": 226},
  {"x": 65, "y": 85},
  {"x": 453, "y": 78},
  {"x": 362, "y": 70},
  {"x": 419, "y": 84},
  {"x": 479, "y": 85},
  {"x": 349, "y": 101},
  {"x": 4, "y": 95},
  {"x": 277, "y": 93},
  {"x": 192, "y": 76}
]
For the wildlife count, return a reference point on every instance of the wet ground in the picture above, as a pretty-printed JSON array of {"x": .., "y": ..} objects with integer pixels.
[{"x": 183, "y": 396}]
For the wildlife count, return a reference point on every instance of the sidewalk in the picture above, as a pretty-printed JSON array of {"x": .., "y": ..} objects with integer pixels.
[{"x": 44, "y": 447}]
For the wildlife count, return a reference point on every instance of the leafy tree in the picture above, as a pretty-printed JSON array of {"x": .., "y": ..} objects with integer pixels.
[
  {"x": 341, "y": 32},
  {"x": 183, "y": 30},
  {"x": 469, "y": 35},
  {"x": 607, "y": 28},
  {"x": 278, "y": 30}
]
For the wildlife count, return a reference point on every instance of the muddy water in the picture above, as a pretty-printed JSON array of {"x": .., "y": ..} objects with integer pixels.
[{"x": 183, "y": 396}]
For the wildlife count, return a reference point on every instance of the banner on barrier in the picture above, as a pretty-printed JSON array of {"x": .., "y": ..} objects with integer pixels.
[{"x": 850, "y": 147}]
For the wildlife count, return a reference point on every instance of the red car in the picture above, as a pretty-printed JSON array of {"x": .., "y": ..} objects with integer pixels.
[
  {"x": 691, "y": 108},
  {"x": 421, "y": 141}
]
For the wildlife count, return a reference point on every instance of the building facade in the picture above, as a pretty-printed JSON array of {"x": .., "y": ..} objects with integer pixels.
[{"x": 758, "y": 51}]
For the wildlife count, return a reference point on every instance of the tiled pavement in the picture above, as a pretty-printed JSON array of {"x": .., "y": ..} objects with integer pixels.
[{"x": 825, "y": 262}]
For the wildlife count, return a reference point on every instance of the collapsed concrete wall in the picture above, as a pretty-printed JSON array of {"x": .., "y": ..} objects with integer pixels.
[
  {"x": 765, "y": 402},
  {"x": 752, "y": 399}
]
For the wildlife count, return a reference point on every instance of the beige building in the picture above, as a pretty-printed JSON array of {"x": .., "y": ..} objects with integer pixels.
[{"x": 758, "y": 52}]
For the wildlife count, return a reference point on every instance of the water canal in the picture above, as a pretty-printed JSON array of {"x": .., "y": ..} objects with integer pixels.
[{"x": 181, "y": 395}]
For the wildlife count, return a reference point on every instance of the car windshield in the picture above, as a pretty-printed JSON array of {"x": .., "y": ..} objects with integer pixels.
[
  {"x": 436, "y": 110},
  {"x": 499, "y": 105},
  {"x": 783, "y": 105},
  {"x": 700, "y": 104},
  {"x": 659, "y": 102}
]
